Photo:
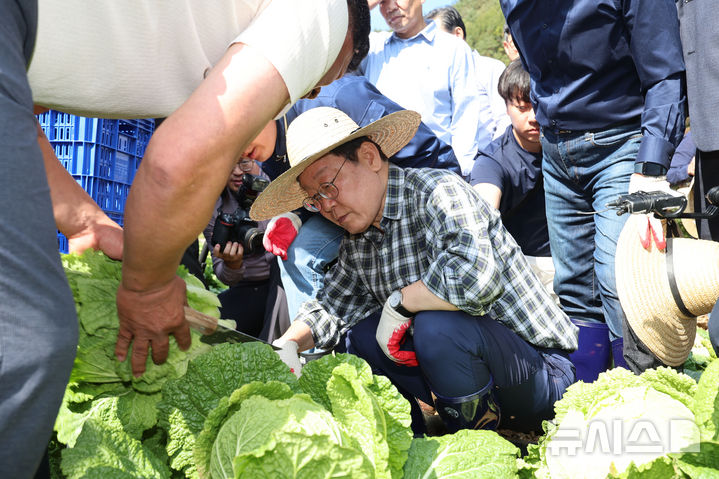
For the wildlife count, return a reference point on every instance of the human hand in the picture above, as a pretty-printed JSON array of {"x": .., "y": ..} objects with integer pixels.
[
  {"x": 690, "y": 167},
  {"x": 653, "y": 228},
  {"x": 147, "y": 318},
  {"x": 289, "y": 355},
  {"x": 232, "y": 254},
  {"x": 390, "y": 335},
  {"x": 280, "y": 232},
  {"x": 104, "y": 235}
]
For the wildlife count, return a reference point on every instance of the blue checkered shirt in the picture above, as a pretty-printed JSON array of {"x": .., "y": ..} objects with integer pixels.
[{"x": 437, "y": 229}]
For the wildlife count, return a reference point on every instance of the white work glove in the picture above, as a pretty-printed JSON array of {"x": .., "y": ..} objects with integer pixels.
[
  {"x": 391, "y": 334},
  {"x": 653, "y": 228},
  {"x": 280, "y": 233},
  {"x": 289, "y": 355}
]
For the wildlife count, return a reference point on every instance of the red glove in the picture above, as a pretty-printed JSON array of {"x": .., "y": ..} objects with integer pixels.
[
  {"x": 280, "y": 232},
  {"x": 392, "y": 333}
]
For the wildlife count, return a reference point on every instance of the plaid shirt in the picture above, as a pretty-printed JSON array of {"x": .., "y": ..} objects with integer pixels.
[{"x": 437, "y": 229}]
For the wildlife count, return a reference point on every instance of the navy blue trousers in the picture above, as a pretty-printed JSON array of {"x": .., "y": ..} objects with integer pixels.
[{"x": 458, "y": 353}]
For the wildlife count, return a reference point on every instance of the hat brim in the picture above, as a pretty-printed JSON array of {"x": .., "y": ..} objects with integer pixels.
[
  {"x": 391, "y": 133},
  {"x": 646, "y": 297}
]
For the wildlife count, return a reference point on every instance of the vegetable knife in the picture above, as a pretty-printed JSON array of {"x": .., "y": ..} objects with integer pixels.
[{"x": 216, "y": 333}]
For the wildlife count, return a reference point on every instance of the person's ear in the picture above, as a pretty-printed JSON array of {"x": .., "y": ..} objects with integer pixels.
[{"x": 369, "y": 155}]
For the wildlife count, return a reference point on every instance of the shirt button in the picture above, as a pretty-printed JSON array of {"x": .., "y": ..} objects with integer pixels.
[{"x": 545, "y": 26}]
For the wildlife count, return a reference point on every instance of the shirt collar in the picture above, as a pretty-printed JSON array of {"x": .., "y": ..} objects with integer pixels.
[
  {"x": 428, "y": 33},
  {"x": 393, "y": 201}
]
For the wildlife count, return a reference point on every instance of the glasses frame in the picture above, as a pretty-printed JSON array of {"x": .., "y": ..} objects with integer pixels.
[{"x": 314, "y": 203}]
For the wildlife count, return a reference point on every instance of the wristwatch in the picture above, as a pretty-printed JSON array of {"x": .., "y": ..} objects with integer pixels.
[
  {"x": 648, "y": 168},
  {"x": 395, "y": 302}
]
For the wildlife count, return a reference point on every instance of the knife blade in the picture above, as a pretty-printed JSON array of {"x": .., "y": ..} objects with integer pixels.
[{"x": 214, "y": 332}]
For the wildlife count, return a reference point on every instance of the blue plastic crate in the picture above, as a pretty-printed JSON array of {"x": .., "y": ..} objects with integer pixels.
[
  {"x": 143, "y": 138},
  {"x": 96, "y": 146},
  {"x": 62, "y": 245},
  {"x": 118, "y": 218},
  {"x": 90, "y": 159},
  {"x": 110, "y": 196}
]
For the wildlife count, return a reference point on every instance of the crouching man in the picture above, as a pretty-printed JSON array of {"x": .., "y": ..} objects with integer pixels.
[{"x": 429, "y": 287}]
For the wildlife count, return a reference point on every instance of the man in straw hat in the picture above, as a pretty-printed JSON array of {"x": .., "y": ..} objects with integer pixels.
[
  {"x": 422, "y": 252},
  {"x": 663, "y": 292}
]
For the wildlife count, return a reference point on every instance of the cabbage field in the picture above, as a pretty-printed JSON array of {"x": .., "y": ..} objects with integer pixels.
[{"x": 235, "y": 410}]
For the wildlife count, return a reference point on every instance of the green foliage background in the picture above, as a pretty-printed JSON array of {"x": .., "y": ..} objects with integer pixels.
[{"x": 484, "y": 22}]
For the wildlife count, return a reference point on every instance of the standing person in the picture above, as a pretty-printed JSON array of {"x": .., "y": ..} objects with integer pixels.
[
  {"x": 699, "y": 36},
  {"x": 488, "y": 341},
  {"x": 608, "y": 92},
  {"x": 215, "y": 107},
  {"x": 38, "y": 325},
  {"x": 112, "y": 59},
  {"x": 508, "y": 175},
  {"x": 699, "y": 39},
  {"x": 430, "y": 71},
  {"x": 493, "y": 119}
]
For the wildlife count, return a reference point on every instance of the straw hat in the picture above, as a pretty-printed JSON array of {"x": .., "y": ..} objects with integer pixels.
[
  {"x": 315, "y": 133},
  {"x": 645, "y": 289}
]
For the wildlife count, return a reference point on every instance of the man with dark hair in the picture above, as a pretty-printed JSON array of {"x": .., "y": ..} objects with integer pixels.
[
  {"x": 508, "y": 175},
  {"x": 493, "y": 118},
  {"x": 421, "y": 251},
  {"x": 608, "y": 91}
]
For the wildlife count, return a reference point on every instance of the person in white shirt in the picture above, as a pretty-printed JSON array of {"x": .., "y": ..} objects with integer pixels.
[
  {"x": 219, "y": 71},
  {"x": 429, "y": 71},
  {"x": 493, "y": 120}
]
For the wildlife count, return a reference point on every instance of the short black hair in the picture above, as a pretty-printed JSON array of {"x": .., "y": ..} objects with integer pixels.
[
  {"x": 349, "y": 150},
  {"x": 514, "y": 83},
  {"x": 359, "y": 21},
  {"x": 449, "y": 17}
]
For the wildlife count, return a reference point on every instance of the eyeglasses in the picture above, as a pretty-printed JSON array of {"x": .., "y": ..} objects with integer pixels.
[
  {"x": 326, "y": 191},
  {"x": 245, "y": 164}
]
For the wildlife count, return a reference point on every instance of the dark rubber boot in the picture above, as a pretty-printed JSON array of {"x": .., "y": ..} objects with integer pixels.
[
  {"x": 476, "y": 411},
  {"x": 592, "y": 355},
  {"x": 618, "y": 354}
]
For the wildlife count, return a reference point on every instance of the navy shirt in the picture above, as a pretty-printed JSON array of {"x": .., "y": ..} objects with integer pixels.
[
  {"x": 518, "y": 174},
  {"x": 362, "y": 102},
  {"x": 595, "y": 63}
]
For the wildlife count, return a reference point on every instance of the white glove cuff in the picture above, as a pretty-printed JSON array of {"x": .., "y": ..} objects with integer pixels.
[{"x": 296, "y": 221}]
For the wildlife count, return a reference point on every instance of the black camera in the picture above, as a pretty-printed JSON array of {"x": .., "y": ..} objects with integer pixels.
[
  {"x": 237, "y": 226},
  {"x": 664, "y": 205}
]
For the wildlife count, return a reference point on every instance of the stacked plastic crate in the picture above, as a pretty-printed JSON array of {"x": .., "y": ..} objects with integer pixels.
[{"x": 102, "y": 155}]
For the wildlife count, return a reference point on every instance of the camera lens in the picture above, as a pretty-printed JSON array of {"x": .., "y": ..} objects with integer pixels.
[{"x": 252, "y": 241}]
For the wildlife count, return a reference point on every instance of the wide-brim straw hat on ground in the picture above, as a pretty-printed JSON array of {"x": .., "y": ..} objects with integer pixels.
[
  {"x": 662, "y": 292},
  {"x": 315, "y": 133}
]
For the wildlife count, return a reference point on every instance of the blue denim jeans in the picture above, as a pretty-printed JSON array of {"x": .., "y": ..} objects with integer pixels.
[
  {"x": 583, "y": 171},
  {"x": 457, "y": 355},
  {"x": 317, "y": 243}
]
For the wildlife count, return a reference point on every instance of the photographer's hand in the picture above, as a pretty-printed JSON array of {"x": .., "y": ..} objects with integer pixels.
[{"x": 232, "y": 255}]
